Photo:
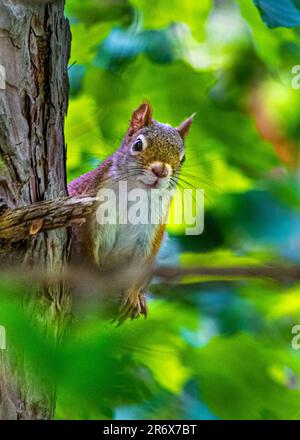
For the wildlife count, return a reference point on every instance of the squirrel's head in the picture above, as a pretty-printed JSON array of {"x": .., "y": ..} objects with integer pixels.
[{"x": 151, "y": 152}]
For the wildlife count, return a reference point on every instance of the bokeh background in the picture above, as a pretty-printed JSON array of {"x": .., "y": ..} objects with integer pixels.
[{"x": 212, "y": 348}]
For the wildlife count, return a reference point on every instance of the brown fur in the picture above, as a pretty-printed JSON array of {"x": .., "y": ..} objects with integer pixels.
[{"x": 165, "y": 145}]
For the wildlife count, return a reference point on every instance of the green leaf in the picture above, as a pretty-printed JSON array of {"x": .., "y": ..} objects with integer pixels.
[
  {"x": 157, "y": 14},
  {"x": 236, "y": 380},
  {"x": 285, "y": 13},
  {"x": 91, "y": 11},
  {"x": 267, "y": 44}
]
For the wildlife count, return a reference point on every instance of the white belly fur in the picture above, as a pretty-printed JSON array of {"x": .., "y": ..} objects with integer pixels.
[{"x": 118, "y": 244}]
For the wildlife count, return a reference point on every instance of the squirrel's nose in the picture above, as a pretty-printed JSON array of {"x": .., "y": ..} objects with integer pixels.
[{"x": 159, "y": 169}]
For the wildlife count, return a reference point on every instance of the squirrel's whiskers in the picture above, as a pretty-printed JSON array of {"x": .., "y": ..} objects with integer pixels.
[{"x": 150, "y": 158}]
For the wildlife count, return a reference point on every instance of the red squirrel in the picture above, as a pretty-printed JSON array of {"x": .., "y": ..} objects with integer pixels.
[{"x": 150, "y": 156}]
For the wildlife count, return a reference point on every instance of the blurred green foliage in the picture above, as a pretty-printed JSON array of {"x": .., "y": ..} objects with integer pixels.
[
  {"x": 286, "y": 14},
  {"x": 212, "y": 347}
]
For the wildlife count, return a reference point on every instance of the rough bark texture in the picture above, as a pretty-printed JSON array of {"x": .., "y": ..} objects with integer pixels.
[
  {"x": 18, "y": 224},
  {"x": 34, "y": 50}
]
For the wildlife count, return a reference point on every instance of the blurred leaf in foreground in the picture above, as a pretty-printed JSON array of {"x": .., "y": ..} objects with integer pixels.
[{"x": 235, "y": 380}]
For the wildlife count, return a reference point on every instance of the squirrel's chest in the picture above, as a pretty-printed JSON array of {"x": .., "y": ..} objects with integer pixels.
[{"x": 131, "y": 236}]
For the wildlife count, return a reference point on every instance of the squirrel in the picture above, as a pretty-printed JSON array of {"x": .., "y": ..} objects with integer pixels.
[{"x": 150, "y": 156}]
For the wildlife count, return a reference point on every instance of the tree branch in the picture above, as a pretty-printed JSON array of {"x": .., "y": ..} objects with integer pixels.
[
  {"x": 17, "y": 224},
  {"x": 278, "y": 272},
  {"x": 90, "y": 281}
]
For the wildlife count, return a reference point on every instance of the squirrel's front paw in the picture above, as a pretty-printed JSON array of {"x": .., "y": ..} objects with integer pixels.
[{"x": 133, "y": 306}]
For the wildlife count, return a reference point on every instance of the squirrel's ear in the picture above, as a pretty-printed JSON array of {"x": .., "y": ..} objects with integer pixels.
[
  {"x": 141, "y": 117},
  {"x": 185, "y": 126}
]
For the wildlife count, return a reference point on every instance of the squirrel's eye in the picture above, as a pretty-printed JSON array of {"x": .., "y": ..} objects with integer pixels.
[
  {"x": 182, "y": 160},
  {"x": 139, "y": 145}
]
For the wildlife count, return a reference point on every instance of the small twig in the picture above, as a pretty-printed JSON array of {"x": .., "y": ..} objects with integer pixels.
[
  {"x": 71, "y": 65},
  {"x": 279, "y": 272}
]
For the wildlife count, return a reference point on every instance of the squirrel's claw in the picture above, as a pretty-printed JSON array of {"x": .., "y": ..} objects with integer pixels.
[
  {"x": 133, "y": 306},
  {"x": 143, "y": 305}
]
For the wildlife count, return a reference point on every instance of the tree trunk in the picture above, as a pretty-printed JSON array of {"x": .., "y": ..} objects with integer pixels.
[{"x": 34, "y": 52}]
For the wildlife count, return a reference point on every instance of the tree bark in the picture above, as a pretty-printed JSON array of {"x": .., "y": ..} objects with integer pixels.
[
  {"x": 19, "y": 224},
  {"x": 34, "y": 51}
]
